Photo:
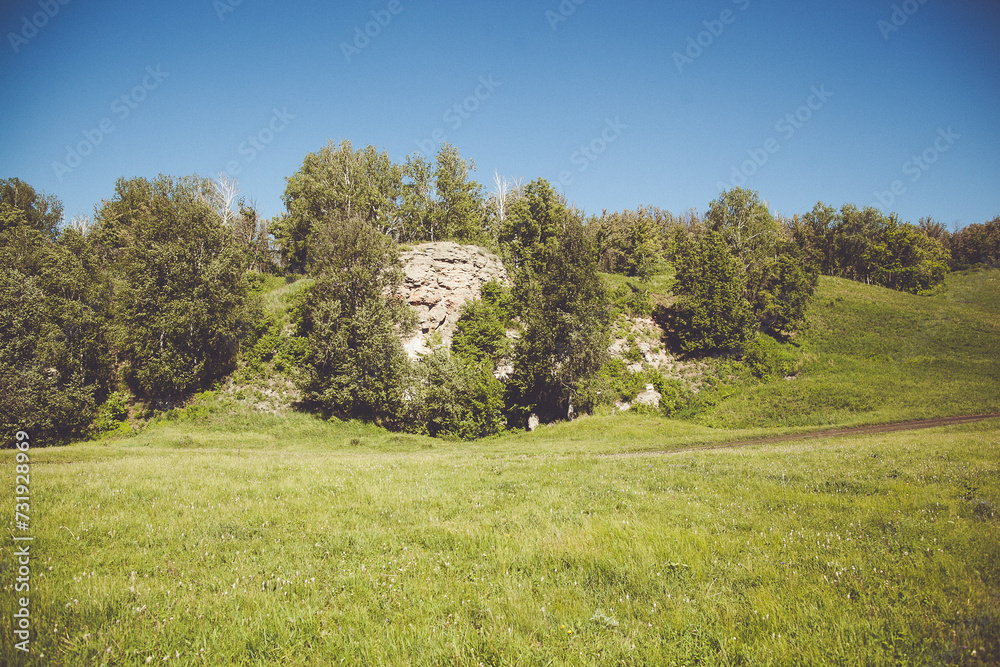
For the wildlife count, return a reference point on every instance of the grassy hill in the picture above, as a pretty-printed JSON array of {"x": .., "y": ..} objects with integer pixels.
[
  {"x": 223, "y": 535},
  {"x": 876, "y": 355}
]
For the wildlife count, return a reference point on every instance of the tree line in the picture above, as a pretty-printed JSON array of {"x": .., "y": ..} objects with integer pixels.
[{"x": 158, "y": 297}]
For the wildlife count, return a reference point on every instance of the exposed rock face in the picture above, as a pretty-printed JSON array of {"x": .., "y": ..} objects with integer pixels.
[{"x": 440, "y": 278}]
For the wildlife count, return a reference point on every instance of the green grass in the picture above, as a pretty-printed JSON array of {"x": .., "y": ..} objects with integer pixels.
[
  {"x": 875, "y": 355},
  {"x": 661, "y": 283},
  {"x": 348, "y": 543},
  {"x": 278, "y": 294}
]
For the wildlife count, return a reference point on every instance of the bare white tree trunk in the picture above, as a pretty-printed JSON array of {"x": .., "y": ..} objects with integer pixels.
[{"x": 226, "y": 189}]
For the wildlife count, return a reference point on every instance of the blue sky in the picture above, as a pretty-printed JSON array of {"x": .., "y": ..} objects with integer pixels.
[{"x": 616, "y": 103}]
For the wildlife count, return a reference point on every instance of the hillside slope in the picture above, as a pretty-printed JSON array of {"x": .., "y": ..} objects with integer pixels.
[{"x": 872, "y": 355}]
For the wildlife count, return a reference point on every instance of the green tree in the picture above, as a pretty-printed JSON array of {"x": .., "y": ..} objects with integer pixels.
[
  {"x": 416, "y": 213},
  {"x": 481, "y": 331},
  {"x": 786, "y": 292},
  {"x": 182, "y": 301},
  {"x": 566, "y": 324},
  {"x": 338, "y": 180},
  {"x": 711, "y": 315},
  {"x": 750, "y": 232},
  {"x": 456, "y": 397},
  {"x": 460, "y": 211},
  {"x": 55, "y": 366},
  {"x": 535, "y": 218},
  {"x": 355, "y": 365},
  {"x": 630, "y": 243},
  {"x": 976, "y": 245}
]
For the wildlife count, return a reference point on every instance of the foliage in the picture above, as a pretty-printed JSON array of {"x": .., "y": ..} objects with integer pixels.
[
  {"x": 268, "y": 348},
  {"x": 674, "y": 394},
  {"x": 750, "y": 232},
  {"x": 565, "y": 338},
  {"x": 481, "y": 330},
  {"x": 631, "y": 242},
  {"x": 533, "y": 220},
  {"x": 337, "y": 181},
  {"x": 415, "y": 201},
  {"x": 182, "y": 301},
  {"x": 711, "y": 314},
  {"x": 112, "y": 416},
  {"x": 22, "y": 206},
  {"x": 355, "y": 365},
  {"x": 632, "y": 300},
  {"x": 455, "y": 397},
  {"x": 976, "y": 245},
  {"x": 459, "y": 213},
  {"x": 785, "y": 292},
  {"x": 54, "y": 298},
  {"x": 869, "y": 246}
]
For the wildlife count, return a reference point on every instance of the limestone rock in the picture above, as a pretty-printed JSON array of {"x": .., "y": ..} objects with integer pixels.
[{"x": 439, "y": 278}]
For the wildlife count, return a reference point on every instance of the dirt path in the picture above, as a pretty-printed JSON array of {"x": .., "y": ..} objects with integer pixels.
[{"x": 857, "y": 430}]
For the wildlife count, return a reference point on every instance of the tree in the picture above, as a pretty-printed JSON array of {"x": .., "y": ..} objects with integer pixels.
[
  {"x": 712, "y": 315},
  {"x": 750, "y": 232},
  {"x": 976, "y": 245},
  {"x": 786, "y": 292},
  {"x": 24, "y": 207},
  {"x": 355, "y": 365},
  {"x": 54, "y": 298},
  {"x": 456, "y": 397},
  {"x": 481, "y": 329},
  {"x": 416, "y": 214},
  {"x": 630, "y": 242},
  {"x": 338, "y": 180},
  {"x": 566, "y": 324},
  {"x": 537, "y": 216},
  {"x": 182, "y": 302},
  {"x": 460, "y": 212}
]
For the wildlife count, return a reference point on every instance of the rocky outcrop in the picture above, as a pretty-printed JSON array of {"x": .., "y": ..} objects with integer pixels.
[{"x": 440, "y": 278}]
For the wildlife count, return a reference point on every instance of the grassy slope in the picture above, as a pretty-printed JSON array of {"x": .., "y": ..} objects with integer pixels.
[
  {"x": 223, "y": 537},
  {"x": 875, "y": 355}
]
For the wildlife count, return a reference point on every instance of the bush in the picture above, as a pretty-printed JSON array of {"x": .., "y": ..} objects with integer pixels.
[
  {"x": 632, "y": 300},
  {"x": 112, "y": 416},
  {"x": 711, "y": 314},
  {"x": 455, "y": 397},
  {"x": 481, "y": 330},
  {"x": 55, "y": 363}
]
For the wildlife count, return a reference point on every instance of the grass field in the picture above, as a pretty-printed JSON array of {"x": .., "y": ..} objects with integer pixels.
[{"x": 221, "y": 536}]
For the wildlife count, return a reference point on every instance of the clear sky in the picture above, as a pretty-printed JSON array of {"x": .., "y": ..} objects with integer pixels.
[{"x": 618, "y": 104}]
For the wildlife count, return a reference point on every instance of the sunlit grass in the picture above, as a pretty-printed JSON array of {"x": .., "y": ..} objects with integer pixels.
[
  {"x": 873, "y": 355},
  {"x": 875, "y": 550}
]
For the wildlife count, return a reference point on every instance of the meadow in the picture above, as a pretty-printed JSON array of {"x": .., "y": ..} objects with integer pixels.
[{"x": 220, "y": 535}]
